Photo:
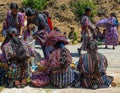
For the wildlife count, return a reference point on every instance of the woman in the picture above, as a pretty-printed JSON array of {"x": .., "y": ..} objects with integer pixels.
[
  {"x": 15, "y": 18},
  {"x": 38, "y": 19},
  {"x": 73, "y": 35},
  {"x": 111, "y": 37},
  {"x": 59, "y": 65},
  {"x": 16, "y": 55},
  {"x": 92, "y": 66},
  {"x": 87, "y": 28},
  {"x": 34, "y": 17}
]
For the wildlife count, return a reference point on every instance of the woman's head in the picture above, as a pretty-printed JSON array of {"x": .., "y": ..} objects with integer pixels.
[
  {"x": 47, "y": 14},
  {"x": 88, "y": 11},
  {"x": 30, "y": 13},
  {"x": 14, "y": 8},
  {"x": 11, "y": 32},
  {"x": 92, "y": 46},
  {"x": 72, "y": 29},
  {"x": 112, "y": 15},
  {"x": 22, "y": 10}
]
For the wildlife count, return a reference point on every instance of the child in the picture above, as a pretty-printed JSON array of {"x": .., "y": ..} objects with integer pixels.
[
  {"x": 65, "y": 34},
  {"x": 73, "y": 35}
]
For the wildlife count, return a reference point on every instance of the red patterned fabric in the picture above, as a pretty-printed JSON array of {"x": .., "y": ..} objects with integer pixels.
[{"x": 55, "y": 36}]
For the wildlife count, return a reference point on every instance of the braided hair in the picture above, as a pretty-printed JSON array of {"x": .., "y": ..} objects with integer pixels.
[
  {"x": 92, "y": 50},
  {"x": 63, "y": 55}
]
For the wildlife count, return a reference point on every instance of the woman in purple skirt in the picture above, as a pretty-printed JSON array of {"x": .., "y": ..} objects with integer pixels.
[{"x": 111, "y": 37}]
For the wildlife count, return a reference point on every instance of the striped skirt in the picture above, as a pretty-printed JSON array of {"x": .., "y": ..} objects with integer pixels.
[
  {"x": 101, "y": 82},
  {"x": 62, "y": 79},
  {"x": 17, "y": 71}
]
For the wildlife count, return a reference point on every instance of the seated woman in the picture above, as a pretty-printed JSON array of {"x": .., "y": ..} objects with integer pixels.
[
  {"x": 16, "y": 55},
  {"x": 92, "y": 66},
  {"x": 59, "y": 64}
]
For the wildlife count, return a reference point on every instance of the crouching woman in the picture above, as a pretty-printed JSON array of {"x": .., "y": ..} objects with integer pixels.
[{"x": 16, "y": 55}]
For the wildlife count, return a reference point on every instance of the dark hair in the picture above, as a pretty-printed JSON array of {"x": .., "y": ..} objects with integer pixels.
[
  {"x": 57, "y": 45},
  {"x": 10, "y": 31},
  {"x": 92, "y": 49},
  {"x": 87, "y": 9},
  {"x": 64, "y": 33},
  {"x": 97, "y": 28},
  {"x": 30, "y": 12},
  {"x": 22, "y": 10},
  {"x": 92, "y": 44},
  {"x": 46, "y": 13},
  {"x": 63, "y": 54},
  {"x": 13, "y": 6}
]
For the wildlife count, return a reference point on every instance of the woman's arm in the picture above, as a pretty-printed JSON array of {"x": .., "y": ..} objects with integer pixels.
[{"x": 21, "y": 24}]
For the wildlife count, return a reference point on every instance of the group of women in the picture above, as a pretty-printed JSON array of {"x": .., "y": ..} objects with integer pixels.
[
  {"x": 56, "y": 66},
  {"x": 88, "y": 29}
]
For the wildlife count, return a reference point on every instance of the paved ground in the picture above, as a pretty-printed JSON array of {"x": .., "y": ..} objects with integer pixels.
[{"x": 113, "y": 69}]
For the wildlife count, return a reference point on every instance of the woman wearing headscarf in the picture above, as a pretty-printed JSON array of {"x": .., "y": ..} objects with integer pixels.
[
  {"x": 15, "y": 19},
  {"x": 92, "y": 66},
  {"x": 59, "y": 65},
  {"x": 16, "y": 55},
  {"x": 87, "y": 28},
  {"x": 40, "y": 21},
  {"x": 111, "y": 37}
]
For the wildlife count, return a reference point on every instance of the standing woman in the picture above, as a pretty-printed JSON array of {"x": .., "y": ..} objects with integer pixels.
[
  {"x": 15, "y": 18},
  {"x": 87, "y": 28},
  {"x": 111, "y": 37},
  {"x": 39, "y": 20}
]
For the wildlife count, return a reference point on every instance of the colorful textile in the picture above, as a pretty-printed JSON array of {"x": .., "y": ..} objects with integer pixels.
[
  {"x": 3, "y": 72},
  {"x": 91, "y": 77},
  {"x": 55, "y": 36},
  {"x": 40, "y": 79},
  {"x": 17, "y": 71},
  {"x": 111, "y": 37},
  {"x": 61, "y": 76},
  {"x": 12, "y": 21},
  {"x": 87, "y": 29},
  {"x": 55, "y": 56},
  {"x": 41, "y": 36},
  {"x": 62, "y": 79},
  {"x": 50, "y": 23}
]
